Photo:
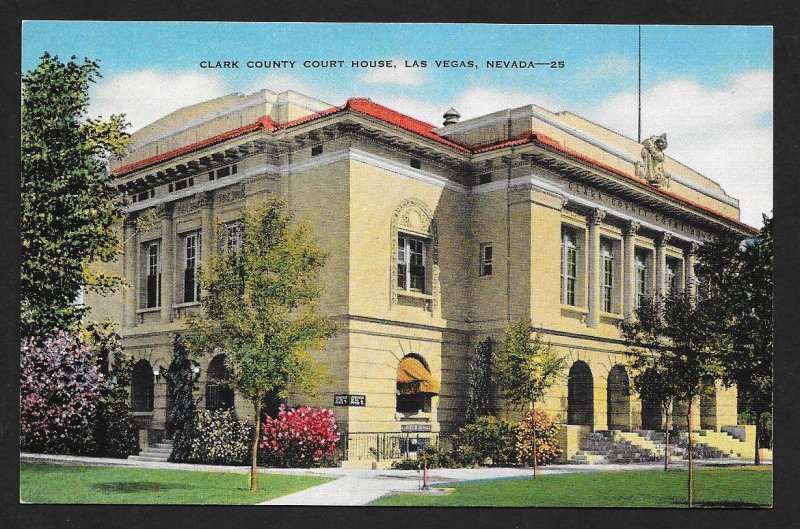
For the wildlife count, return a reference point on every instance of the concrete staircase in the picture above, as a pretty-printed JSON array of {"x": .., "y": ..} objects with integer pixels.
[
  {"x": 712, "y": 444},
  {"x": 158, "y": 452},
  {"x": 614, "y": 446}
]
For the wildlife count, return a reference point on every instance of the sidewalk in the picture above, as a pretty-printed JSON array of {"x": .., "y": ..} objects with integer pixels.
[{"x": 361, "y": 486}]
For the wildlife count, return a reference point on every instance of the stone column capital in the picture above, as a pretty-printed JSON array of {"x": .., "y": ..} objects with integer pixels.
[
  {"x": 164, "y": 210},
  {"x": 205, "y": 199},
  {"x": 692, "y": 249},
  {"x": 129, "y": 221},
  {"x": 632, "y": 227},
  {"x": 663, "y": 238},
  {"x": 595, "y": 217}
]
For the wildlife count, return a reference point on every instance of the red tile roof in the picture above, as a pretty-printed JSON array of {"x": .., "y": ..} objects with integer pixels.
[{"x": 367, "y": 107}]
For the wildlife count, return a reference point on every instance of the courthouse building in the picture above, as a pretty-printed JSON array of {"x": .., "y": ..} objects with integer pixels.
[{"x": 437, "y": 237}]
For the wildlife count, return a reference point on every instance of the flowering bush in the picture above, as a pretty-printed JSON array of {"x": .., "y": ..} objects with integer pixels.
[
  {"x": 219, "y": 438},
  {"x": 59, "y": 393},
  {"x": 547, "y": 449},
  {"x": 486, "y": 439},
  {"x": 300, "y": 437}
]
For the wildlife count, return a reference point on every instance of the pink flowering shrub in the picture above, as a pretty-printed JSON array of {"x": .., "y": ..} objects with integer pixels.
[
  {"x": 59, "y": 393},
  {"x": 299, "y": 437}
]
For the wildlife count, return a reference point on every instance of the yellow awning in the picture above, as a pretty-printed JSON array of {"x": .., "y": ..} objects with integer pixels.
[{"x": 413, "y": 377}]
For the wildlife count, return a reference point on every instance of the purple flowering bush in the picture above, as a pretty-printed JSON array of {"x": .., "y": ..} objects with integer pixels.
[{"x": 59, "y": 393}]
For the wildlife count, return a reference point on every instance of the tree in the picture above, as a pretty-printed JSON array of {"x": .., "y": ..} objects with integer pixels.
[
  {"x": 651, "y": 370},
  {"x": 114, "y": 428},
  {"x": 261, "y": 308},
  {"x": 525, "y": 369},
  {"x": 480, "y": 381},
  {"x": 739, "y": 288},
  {"x": 681, "y": 332},
  {"x": 182, "y": 383},
  {"x": 68, "y": 209}
]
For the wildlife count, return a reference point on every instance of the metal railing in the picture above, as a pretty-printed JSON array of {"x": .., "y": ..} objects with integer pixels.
[{"x": 379, "y": 446}]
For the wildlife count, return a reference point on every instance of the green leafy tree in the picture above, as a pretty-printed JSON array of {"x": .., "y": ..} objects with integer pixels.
[
  {"x": 182, "y": 383},
  {"x": 652, "y": 378},
  {"x": 261, "y": 308},
  {"x": 525, "y": 368},
  {"x": 480, "y": 381},
  {"x": 68, "y": 209},
  {"x": 738, "y": 287},
  {"x": 114, "y": 427},
  {"x": 681, "y": 332}
]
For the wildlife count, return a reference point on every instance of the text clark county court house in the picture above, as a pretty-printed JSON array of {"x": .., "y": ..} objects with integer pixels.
[{"x": 437, "y": 237}]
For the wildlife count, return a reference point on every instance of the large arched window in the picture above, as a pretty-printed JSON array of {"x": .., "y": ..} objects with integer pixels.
[
  {"x": 218, "y": 394},
  {"x": 415, "y": 386},
  {"x": 142, "y": 386},
  {"x": 580, "y": 395}
]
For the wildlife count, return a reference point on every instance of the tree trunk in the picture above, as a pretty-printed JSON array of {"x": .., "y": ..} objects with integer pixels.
[
  {"x": 533, "y": 423},
  {"x": 757, "y": 458},
  {"x": 254, "y": 447},
  {"x": 667, "y": 423},
  {"x": 691, "y": 456}
]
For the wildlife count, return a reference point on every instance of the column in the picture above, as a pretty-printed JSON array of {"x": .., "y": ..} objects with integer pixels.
[
  {"x": 629, "y": 269},
  {"x": 208, "y": 238},
  {"x": 164, "y": 212},
  {"x": 593, "y": 221},
  {"x": 661, "y": 262},
  {"x": 130, "y": 267},
  {"x": 688, "y": 263}
]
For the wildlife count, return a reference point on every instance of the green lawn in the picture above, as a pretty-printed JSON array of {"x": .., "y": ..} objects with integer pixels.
[
  {"x": 42, "y": 483},
  {"x": 714, "y": 487}
]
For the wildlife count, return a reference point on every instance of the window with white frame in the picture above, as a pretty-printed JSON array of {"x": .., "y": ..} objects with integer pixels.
[
  {"x": 411, "y": 261},
  {"x": 607, "y": 255},
  {"x": 151, "y": 275},
  {"x": 569, "y": 266},
  {"x": 640, "y": 262},
  {"x": 233, "y": 235},
  {"x": 486, "y": 259},
  {"x": 191, "y": 259}
]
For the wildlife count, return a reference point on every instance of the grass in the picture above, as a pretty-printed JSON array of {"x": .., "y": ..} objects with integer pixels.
[
  {"x": 714, "y": 487},
  {"x": 43, "y": 483}
]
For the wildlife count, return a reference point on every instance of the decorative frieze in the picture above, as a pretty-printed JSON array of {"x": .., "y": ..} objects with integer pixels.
[{"x": 230, "y": 194}]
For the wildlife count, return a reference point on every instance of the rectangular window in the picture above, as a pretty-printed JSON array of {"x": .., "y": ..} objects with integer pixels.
[
  {"x": 233, "y": 169},
  {"x": 674, "y": 276},
  {"x": 152, "y": 276},
  {"x": 234, "y": 235},
  {"x": 225, "y": 171},
  {"x": 569, "y": 266},
  {"x": 411, "y": 263},
  {"x": 641, "y": 276},
  {"x": 486, "y": 259},
  {"x": 316, "y": 150},
  {"x": 484, "y": 179},
  {"x": 211, "y": 176},
  {"x": 607, "y": 252},
  {"x": 181, "y": 184},
  {"x": 191, "y": 249},
  {"x": 415, "y": 163}
]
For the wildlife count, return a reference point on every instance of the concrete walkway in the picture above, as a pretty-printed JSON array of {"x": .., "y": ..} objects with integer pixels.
[{"x": 362, "y": 486}]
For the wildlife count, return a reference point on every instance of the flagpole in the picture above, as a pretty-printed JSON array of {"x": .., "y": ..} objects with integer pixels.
[{"x": 639, "y": 135}]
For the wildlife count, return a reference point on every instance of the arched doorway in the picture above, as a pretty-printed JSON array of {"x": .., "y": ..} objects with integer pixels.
[
  {"x": 708, "y": 406},
  {"x": 580, "y": 395},
  {"x": 218, "y": 395},
  {"x": 650, "y": 385},
  {"x": 142, "y": 387},
  {"x": 619, "y": 399}
]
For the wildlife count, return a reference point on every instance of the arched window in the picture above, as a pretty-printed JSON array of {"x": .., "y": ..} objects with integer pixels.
[
  {"x": 415, "y": 386},
  {"x": 218, "y": 395},
  {"x": 580, "y": 395},
  {"x": 619, "y": 399},
  {"x": 142, "y": 386}
]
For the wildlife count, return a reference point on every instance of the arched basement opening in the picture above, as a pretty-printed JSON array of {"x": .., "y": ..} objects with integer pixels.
[
  {"x": 580, "y": 395},
  {"x": 619, "y": 399}
]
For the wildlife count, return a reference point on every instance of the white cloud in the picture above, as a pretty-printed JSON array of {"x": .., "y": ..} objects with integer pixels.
[
  {"x": 724, "y": 133},
  {"x": 400, "y": 75},
  {"x": 144, "y": 96}
]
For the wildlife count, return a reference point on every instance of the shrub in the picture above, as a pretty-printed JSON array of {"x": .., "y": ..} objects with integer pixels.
[
  {"x": 435, "y": 457},
  {"x": 59, "y": 391},
  {"x": 486, "y": 439},
  {"x": 547, "y": 449},
  {"x": 181, "y": 416},
  {"x": 299, "y": 438},
  {"x": 219, "y": 438}
]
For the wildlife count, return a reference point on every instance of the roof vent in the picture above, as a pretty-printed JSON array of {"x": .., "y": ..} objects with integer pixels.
[{"x": 451, "y": 117}]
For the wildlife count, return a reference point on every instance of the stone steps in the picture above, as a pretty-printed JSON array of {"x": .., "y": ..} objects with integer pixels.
[{"x": 158, "y": 452}]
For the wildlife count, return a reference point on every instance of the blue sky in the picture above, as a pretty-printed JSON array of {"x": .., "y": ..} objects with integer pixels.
[{"x": 699, "y": 82}]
